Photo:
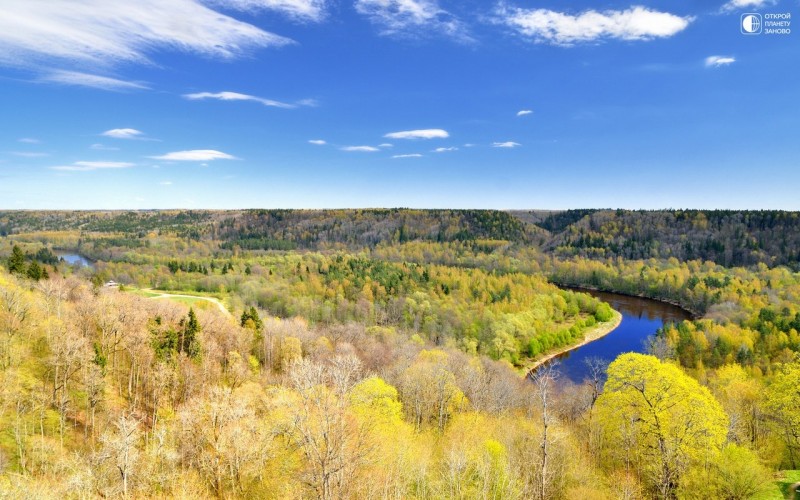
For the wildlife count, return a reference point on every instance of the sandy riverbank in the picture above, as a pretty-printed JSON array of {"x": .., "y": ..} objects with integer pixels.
[{"x": 601, "y": 330}]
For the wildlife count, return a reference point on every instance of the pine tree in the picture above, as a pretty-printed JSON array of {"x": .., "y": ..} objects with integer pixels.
[
  {"x": 16, "y": 262},
  {"x": 35, "y": 271},
  {"x": 191, "y": 327},
  {"x": 251, "y": 319}
]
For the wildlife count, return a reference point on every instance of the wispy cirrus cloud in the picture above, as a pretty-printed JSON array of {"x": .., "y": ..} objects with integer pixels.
[
  {"x": 360, "y": 149},
  {"x": 412, "y": 155},
  {"x": 718, "y": 61},
  {"x": 507, "y": 144},
  {"x": 29, "y": 140},
  {"x": 445, "y": 150},
  {"x": 747, "y": 4},
  {"x": 123, "y": 133},
  {"x": 409, "y": 17},
  {"x": 524, "y": 112},
  {"x": 236, "y": 96},
  {"x": 431, "y": 133},
  {"x": 195, "y": 155},
  {"x": 300, "y": 10},
  {"x": 65, "y": 34},
  {"x": 85, "y": 166},
  {"x": 317, "y": 142},
  {"x": 558, "y": 28},
  {"x": 89, "y": 80}
]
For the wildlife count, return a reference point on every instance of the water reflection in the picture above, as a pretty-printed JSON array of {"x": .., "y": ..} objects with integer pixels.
[{"x": 74, "y": 259}]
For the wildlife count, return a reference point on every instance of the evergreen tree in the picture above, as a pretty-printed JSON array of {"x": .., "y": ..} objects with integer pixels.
[
  {"x": 35, "y": 271},
  {"x": 191, "y": 327},
  {"x": 250, "y": 319},
  {"x": 16, "y": 262}
]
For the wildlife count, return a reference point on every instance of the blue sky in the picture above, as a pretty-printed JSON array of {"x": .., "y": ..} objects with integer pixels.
[{"x": 383, "y": 103}]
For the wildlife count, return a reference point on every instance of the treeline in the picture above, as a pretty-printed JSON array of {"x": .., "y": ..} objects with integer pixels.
[
  {"x": 316, "y": 229},
  {"x": 185, "y": 223},
  {"x": 726, "y": 237}
]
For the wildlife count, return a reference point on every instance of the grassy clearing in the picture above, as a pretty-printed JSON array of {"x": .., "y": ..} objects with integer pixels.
[
  {"x": 141, "y": 293},
  {"x": 780, "y": 488}
]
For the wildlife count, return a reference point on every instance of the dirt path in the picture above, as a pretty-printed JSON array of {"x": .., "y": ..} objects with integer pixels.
[
  {"x": 219, "y": 304},
  {"x": 597, "y": 332}
]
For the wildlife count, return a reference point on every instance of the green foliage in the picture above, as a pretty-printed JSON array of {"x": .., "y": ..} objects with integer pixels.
[
  {"x": 374, "y": 398},
  {"x": 660, "y": 418},
  {"x": 603, "y": 312},
  {"x": 782, "y": 397},
  {"x": 250, "y": 319},
  {"x": 16, "y": 262},
  {"x": 189, "y": 342}
]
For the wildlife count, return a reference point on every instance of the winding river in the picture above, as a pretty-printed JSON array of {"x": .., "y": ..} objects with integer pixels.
[{"x": 641, "y": 318}]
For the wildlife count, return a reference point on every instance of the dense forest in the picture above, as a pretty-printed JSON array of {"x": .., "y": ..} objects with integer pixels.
[
  {"x": 728, "y": 238},
  {"x": 382, "y": 353}
]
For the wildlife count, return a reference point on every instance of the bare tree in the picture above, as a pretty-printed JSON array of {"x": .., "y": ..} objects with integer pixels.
[
  {"x": 120, "y": 451},
  {"x": 14, "y": 311},
  {"x": 544, "y": 381},
  {"x": 333, "y": 444}
]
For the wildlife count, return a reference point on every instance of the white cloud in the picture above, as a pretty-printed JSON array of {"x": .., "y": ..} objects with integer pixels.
[
  {"x": 317, "y": 142},
  {"x": 38, "y": 33},
  {"x": 507, "y": 144},
  {"x": 413, "y": 155},
  {"x": 385, "y": 145},
  {"x": 123, "y": 133},
  {"x": 235, "y": 96},
  {"x": 29, "y": 154},
  {"x": 445, "y": 150},
  {"x": 84, "y": 166},
  {"x": 433, "y": 133},
  {"x": 717, "y": 61},
  {"x": 88, "y": 80},
  {"x": 636, "y": 23},
  {"x": 524, "y": 112},
  {"x": 195, "y": 155},
  {"x": 301, "y": 10},
  {"x": 165, "y": 183},
  {"x": 360, "y": 149},
  {"x": 29, "y": 140},
  {"x": 407, "y": 17},
  {"x": 747, "y": 4},
  {"x": 102, "y": 147}
]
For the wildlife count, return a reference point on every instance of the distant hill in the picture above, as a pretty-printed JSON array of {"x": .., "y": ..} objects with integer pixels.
[
  {"x": 287, "y": 229},
  {"x": 267, "y": 229},
  {"x": 730, "y": 238}
]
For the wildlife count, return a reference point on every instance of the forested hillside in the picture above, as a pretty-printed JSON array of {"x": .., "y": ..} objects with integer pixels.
[
  {"x": 286, "y": 229},
  {"x": 729, "y": 238},
  {"x": 381, "y": 353}
]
